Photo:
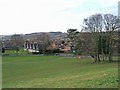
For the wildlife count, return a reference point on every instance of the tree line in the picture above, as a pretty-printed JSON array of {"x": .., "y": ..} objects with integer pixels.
[{"x": 98, "y": 37}]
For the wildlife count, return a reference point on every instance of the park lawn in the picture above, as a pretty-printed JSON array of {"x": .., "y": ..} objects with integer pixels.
[
  {"x": 58, "y": 72},
  {"x": 13, "y": 52}
]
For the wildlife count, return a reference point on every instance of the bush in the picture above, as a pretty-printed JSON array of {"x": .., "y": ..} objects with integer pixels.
[
  {"x": 49, "y": 52},
  {"x": 37, "y": 53},
  {"x": 3, "y": 50},
  {"x": 53, "y": 51}
]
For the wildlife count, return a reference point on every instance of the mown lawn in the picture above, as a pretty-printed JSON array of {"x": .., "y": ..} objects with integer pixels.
[{"x": 58, "y": 72}]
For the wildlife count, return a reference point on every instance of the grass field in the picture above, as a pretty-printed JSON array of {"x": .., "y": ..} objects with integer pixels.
[{"x": 58, "y": 72}]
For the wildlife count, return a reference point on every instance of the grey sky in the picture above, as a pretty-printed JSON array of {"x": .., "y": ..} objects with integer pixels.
[{"x": 27, "y": 16}]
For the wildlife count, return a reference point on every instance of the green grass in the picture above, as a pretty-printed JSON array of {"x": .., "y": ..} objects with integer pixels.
[
  {"x": 58, "y": 72},
  {"x": 21, "y": 51}
]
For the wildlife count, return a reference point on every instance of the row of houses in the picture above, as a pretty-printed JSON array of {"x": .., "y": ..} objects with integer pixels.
[
  {"x": 59, "y": 42},
  {"x": 34, "y": 47}
]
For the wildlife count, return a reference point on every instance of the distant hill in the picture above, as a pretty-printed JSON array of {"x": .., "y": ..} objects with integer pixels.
[
  {"x": 5, "y": 37},
  {"x": 33, "y": 35}
]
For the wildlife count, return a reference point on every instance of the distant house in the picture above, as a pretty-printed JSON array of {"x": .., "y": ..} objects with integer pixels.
[{"x": 31, "y": 46}]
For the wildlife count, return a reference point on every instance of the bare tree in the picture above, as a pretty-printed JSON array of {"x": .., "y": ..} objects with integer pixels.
[
  {"x": 16, "y": 42},
  {"x": 111, "y": 24},
  {"x": 102, "y": 29},
  {"x": 44, "y": 41},
  {"x": 93, "y": 25}
]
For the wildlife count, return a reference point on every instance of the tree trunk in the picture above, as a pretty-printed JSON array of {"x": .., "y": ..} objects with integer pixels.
[
  {"x": 103, "y": 56},
  {"x": 43, "y": 51},
  {"x": 110, "y": 52},
  {"x": 16, "y": 52},
  {"x": 98, "y": 57},
  {"x": 95, "y": 58}
]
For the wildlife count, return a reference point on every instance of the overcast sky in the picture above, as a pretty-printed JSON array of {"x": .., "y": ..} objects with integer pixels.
[{"x": 28, "y": 16}]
